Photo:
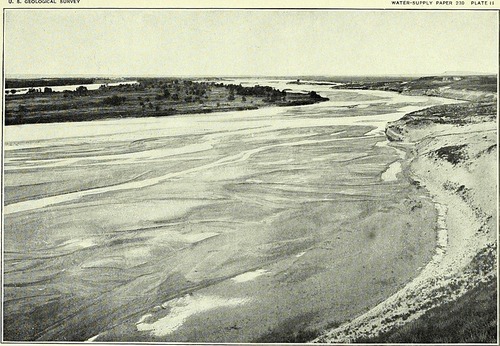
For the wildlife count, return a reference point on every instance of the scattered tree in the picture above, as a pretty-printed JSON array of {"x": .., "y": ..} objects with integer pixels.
[
  {"x": 114, "y": 100},
  {"x": 81, "y": 90}
]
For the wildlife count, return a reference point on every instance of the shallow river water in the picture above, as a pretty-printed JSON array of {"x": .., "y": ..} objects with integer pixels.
[{"x": 225, "y": 227}]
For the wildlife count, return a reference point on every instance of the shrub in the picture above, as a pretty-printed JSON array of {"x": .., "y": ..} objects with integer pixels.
[
  {"x": 81, "y": 90},
  {"x": 114, "y": 100},
  {"x": 453, "y": 153}
]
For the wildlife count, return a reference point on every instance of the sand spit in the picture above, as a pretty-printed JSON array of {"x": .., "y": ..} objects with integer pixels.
[{"x": 461, "y": 178}]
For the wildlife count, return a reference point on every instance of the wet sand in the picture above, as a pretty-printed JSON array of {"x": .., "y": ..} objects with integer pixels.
[{"x": 229, "y": 227}]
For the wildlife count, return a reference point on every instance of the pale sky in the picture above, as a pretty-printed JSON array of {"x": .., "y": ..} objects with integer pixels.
[{"x": 252, "y": 42}]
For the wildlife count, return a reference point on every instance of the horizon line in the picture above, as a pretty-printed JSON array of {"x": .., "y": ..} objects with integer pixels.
[{"x": 149, "y": 75}]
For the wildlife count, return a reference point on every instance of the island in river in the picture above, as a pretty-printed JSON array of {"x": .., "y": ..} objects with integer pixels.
[{"x": 39, "y": 101}]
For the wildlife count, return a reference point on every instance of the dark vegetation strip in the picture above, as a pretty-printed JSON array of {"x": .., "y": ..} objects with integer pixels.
[{"x": 472, "y": 318}]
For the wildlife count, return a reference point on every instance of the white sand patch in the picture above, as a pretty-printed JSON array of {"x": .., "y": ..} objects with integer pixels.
[
  {"x": 254, "y": 181},
  {"x": 183, "y": 308},
  {"x": 77, "y": 244},
  {"x": 391, "y": 172},
  {"x": 378, "y": 131},
  {"x": 363, "y": 106},
  {"x": 92, "y": 338},
  {"x": 249, "y": 276},
  {"x": 338, "y": 133},
  {"x": 144, "y": 318}
]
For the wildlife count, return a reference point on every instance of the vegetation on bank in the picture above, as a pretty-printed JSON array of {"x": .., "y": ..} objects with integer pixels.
[
  {"x": 472, "y": 318},
  {"x": 454, "y": 154},
  {"x": 149, "y": 97}
]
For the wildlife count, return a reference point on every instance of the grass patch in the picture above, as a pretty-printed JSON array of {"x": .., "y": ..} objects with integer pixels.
[
  {"x": 294, "y": 330},
  {"x": 454, "y": 154},
  {"x": 472, "y": 318}
]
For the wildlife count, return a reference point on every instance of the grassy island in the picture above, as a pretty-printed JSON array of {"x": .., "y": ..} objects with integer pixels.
[{"x": 149, "y": 97}]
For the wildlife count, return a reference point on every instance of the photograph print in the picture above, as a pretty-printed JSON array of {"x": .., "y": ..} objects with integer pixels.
[{"x": 236, "y": 175}]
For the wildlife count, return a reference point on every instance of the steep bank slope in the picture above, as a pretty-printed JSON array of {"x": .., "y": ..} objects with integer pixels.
[{"x": 454, "y": 156}]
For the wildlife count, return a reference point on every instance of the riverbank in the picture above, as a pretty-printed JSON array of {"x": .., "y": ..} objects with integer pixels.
[
  {"x": 477, "y": 88},
  {"x": 452, "y": 153}
]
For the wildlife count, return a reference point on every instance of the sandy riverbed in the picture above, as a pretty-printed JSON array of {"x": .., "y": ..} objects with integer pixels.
[{"x": 230, "y": 227}]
